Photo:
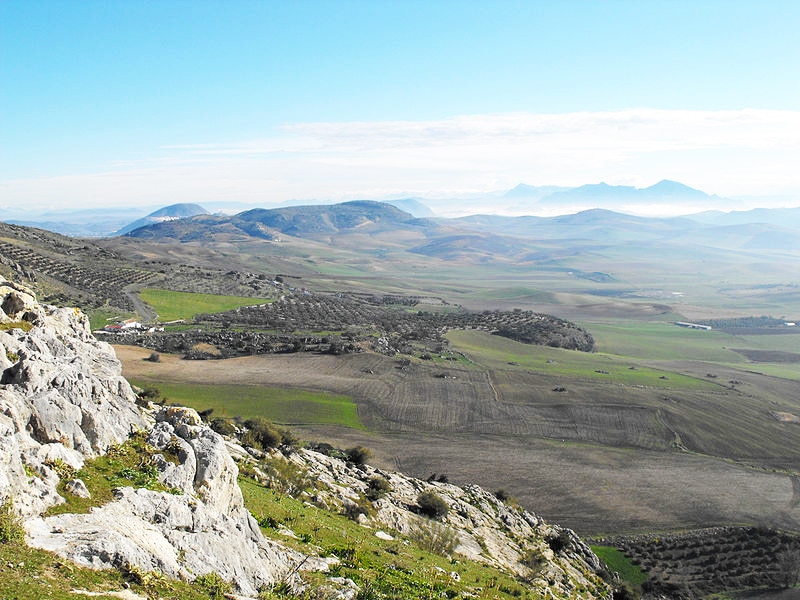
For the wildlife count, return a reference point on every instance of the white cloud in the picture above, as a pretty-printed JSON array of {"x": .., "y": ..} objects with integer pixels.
[{"x": 735, "y": 152}]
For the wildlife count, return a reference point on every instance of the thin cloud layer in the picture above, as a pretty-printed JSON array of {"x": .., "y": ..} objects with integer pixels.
[{"x": 729, "y": 153}]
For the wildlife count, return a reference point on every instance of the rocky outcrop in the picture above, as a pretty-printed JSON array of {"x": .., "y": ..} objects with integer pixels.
[
  {"x": 63, "y": 400},
  {"x": 553, "y": 560},
  {"x": 62, "y": 396},
  {"x": 201, "y": 527}
]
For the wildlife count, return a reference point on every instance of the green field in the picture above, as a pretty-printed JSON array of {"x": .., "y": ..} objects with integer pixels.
[
  {"x": 498, "y": 352},
  {"x": 100, "y": 317},
  {"x": 620, "y": 563},
  {"x": 664, "y": 341},
  {"x": 172, "y": 306},
  {"x": 280, "y": 405}
]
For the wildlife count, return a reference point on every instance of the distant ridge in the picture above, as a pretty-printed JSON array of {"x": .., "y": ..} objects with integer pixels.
[
  {"x": 664, "y": 191},
  {"x": 413, "y": 206},
  {"x": 311, "y": 221},
  {"x": 168, "y": 213}
]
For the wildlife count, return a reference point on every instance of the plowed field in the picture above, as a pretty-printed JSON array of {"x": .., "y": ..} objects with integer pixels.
[{"x": 598, "y": 456}]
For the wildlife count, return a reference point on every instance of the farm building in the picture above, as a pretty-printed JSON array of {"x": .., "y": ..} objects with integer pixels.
[{"x": 693, "y": 325}]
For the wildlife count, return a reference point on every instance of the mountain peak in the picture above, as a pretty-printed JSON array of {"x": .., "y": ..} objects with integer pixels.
[
  {"x": 666, "y": 187},
  {"x": 167, "y": 213}
]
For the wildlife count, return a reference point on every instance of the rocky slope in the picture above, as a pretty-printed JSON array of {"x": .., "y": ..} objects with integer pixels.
[{"x": 63, "y": 402}]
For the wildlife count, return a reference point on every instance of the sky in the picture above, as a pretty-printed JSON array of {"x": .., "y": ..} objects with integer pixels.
[{"x": 135, "y": 102}]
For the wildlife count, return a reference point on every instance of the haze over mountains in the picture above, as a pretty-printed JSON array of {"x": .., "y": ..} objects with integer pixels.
[
  {"x": 666, "y": 198},
  {"x": 366, "y": 224}
]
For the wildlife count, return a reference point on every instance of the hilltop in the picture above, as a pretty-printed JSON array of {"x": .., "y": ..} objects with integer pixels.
[{"x": 168, "y": 213}]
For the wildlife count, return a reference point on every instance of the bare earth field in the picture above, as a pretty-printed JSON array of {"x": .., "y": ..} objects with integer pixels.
[{"x": 597, "y": 465}]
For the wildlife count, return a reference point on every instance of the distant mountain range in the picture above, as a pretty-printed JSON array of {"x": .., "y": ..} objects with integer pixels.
[
  {"x": 665, "y": 197},
  {"x": 319, "y": 243},
  {"x": 366, "y": 225}
]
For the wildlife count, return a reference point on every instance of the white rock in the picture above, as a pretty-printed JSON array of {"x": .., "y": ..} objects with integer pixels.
[{"x": 77, "y": 487}]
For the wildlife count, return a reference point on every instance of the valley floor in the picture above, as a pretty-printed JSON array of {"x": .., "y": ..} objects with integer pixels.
[{"x": 592, "y": 488}]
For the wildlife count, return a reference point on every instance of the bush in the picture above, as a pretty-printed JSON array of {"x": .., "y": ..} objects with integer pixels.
[
  {"x": 358, "y": 455},
  {"x": 264, "y": 433},
  {"x": 285, "y": 476},
  {"x": 11, "y": 531},
  {"x": 559, "y": 542},
  {"x": 535, "y": 561},
  {"x": 377, "y": 488},
  {"x": 213, "y": 585},
  {"x": 435, "y": 538},
  {"x": 432, "y": 505},
  {"x": 223, "y": 426}
]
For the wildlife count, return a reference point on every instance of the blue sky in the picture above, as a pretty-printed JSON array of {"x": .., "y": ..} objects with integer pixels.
[{"x": 149, "y": 103}]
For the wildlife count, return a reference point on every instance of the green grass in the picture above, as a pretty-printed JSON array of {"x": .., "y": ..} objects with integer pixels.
[
  {"x": 30, "y": 573},
  {"x": 620, "y": 563},
  {"x": 786, "y": 371},
  {"x": 664, "y": 341},
  {"x": 391, "y": 568},
  {"x": 497, "y": 352},
  {"x": 280, "y": 405},
  {"x": 100, "y": 317},
  {"x": 172, "y": 306},
  {"x": 127, "y": 464}
]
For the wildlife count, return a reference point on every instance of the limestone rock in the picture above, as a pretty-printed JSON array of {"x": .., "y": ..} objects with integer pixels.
[
  {"x": 77, "y": 487},
  {"x": 62, "y": 397},
  {"x": 157, "y": 531},
  {"x": 488, "y": 530}
]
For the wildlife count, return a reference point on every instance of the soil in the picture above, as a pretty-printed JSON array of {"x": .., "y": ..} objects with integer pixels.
[{"x": 590, "y": 487}]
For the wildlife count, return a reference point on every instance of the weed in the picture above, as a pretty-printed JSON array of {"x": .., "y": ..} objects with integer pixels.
[
  {"x": 435, "y": 538},
  {"x": 285, "y": 476},
  {"x": 23, "y": 325},
  {"x": 11, "y": 531},
  {"x": 214, "y": 585},
  {"x": 535, "y": 561},
  {"x": 62, "y": 469},
  {"x": 377, "y": 488}
]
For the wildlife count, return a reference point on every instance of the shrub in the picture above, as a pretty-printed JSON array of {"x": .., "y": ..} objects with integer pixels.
[
  {"x": 358, "y": 455},
  {"x": 11, "y": 531},
  {"x": 213, "y": 585},
  {"x": 534, "y": 560},
  {"x": 432, "y": 505},
  {"x": 289, "y": 441},
  {"x": 435, "y": 537},
  {"x": 264, "y": 433},
  {"x": 377, "y": 488},
  {"x": 502, "y": 495},
  {"x": 223, "y": 426},
  {"x": 354, "y": 509},
  {"x": 559, "y": 542}
]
